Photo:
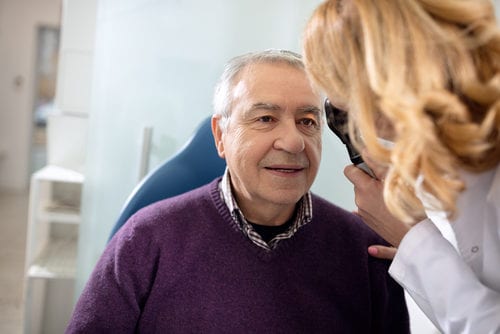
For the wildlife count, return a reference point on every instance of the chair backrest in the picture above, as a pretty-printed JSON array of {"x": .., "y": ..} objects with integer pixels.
[{"x": 194, "y": 165}]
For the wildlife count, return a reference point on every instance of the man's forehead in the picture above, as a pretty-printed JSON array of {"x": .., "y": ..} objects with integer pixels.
[
  {"x": 254, "y": 76},
  {"x": 252, "y": 69}
]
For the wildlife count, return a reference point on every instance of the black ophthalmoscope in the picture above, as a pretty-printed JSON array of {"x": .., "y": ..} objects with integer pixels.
[{"x": 338, "y": 122}]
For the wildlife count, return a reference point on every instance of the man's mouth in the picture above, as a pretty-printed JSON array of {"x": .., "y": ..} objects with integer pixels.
[{"x": 285, "y": 169}]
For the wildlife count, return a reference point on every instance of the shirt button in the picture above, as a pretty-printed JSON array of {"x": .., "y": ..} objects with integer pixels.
[{"x": 474, "y": 249}]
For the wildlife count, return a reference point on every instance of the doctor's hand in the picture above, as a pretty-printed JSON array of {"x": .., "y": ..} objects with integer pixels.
[
  {"x": 380, "y": 251},
  {"x": 372, "y": 209}
]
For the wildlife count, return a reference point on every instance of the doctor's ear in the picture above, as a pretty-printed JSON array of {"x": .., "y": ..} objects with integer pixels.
[{"x": 217, "y": 133}]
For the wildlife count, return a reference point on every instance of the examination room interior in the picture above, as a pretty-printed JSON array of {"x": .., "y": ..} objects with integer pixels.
[{"x": 93, "y": 95}]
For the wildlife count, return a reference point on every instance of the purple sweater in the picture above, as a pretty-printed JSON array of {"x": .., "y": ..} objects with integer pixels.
[{"x": 182, "y": 265}]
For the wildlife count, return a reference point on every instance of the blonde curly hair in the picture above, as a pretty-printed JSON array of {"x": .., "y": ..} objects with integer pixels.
[{"x": 430, "y": 70}]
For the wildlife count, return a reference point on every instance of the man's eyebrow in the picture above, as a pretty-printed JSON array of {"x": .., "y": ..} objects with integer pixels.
[
  {"x": 307, "y": 109},
  {"x": 265, "y": 106},
  {"x": 310, "y": 110}
]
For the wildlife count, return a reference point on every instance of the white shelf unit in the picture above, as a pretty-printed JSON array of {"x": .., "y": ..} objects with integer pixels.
[{"x": 50, "y": 267}]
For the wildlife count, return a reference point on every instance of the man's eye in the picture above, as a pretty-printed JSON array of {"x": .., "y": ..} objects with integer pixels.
[
  {"x": 309, "y": 122},
  {"x": 265, "y": 119}
]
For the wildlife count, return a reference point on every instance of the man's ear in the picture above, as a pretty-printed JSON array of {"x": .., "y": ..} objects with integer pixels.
[{"x": 217, "y": 132}]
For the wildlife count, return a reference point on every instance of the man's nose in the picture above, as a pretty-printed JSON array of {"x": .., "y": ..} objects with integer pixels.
[{"x": 289, "y": 138}]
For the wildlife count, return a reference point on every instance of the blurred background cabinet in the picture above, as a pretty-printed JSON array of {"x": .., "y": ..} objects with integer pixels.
[{"x": 53, "y": 223}]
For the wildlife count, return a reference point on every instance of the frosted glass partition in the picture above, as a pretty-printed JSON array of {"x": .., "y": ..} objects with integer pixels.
[{"x": 156, "y": 63}]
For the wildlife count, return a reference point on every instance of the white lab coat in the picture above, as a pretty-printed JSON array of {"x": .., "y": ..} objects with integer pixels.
[{"x": 455, "y": 278}]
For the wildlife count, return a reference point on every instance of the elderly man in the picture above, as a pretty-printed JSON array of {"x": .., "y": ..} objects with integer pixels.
[{"x": 253, "y": 251}]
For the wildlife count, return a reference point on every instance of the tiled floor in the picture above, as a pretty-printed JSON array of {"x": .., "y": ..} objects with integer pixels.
[{"x": 13, "y": 223}]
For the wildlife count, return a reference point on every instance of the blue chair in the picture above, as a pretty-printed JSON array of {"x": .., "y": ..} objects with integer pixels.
[{"x": 194, "y": 165}]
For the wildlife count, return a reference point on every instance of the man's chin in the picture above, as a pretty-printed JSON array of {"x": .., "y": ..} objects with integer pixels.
[{"x": 286, "y": 196}]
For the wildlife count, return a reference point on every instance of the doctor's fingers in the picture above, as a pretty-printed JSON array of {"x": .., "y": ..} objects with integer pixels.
[
  {"x": 357, "y": 176},
  {"x": 378, "y": 169},
  {"x": 367, "y": 190},
  {"x": 382, "y": 252}
]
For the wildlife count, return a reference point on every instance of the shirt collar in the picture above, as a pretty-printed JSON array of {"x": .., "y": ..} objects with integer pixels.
[{"x": 303, "y": 214}]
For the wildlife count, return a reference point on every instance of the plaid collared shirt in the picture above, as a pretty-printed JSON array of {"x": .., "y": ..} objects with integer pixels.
[{"x": 303, "y": 216}]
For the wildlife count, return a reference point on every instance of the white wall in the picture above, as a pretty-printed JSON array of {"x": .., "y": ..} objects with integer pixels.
[
  {"x": 67, "y": 129},
  {"x": 74, "y": 82},
  {"x": 18, "y": 22}
]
